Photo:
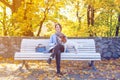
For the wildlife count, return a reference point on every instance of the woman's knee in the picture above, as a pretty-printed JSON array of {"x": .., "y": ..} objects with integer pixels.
[{"x": 59, "y": 48}]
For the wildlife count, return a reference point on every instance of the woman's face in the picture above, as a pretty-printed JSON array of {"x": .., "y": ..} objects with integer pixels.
[{"x": 57, "y": 28}]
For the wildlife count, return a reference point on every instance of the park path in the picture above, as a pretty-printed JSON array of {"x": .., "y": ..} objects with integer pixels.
[{"x": 73, "y": 70}]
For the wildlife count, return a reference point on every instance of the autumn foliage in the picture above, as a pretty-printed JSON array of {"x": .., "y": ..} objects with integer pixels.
[
  {"x": 79, "y": 18},
  {"x": 72, "y": 70}
]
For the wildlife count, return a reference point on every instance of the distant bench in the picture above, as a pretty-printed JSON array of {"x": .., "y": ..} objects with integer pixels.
[{"x": 85, "y": 51}]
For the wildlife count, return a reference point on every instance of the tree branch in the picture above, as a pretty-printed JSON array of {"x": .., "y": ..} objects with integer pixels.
[
  {"x": 1, "y": 21},
  {"x": 6, "y": 3}
]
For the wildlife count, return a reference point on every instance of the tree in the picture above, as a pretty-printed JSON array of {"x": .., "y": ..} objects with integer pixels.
[
  {"x": 117, "y": 27},
  {"x": 117, "y": 2},
  {"x": 79, "y": 18},
  {"x": 49, "y": 8},
  {"x": 90, "y": 17},
  {"x": 14, "y": 6}
]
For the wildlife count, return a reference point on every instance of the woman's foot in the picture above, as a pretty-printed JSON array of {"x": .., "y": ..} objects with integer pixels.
[
  {"x": 59, "y": 74},
  {"x": 49, "y": 60}
]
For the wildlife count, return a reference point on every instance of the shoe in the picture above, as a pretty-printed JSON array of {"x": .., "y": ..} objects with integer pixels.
[
  {"x": 49, "y": 61},
  {"x": 59, "y": 74}
]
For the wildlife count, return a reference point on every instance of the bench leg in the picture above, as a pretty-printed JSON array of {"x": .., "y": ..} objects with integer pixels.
[
  {"x": 24, "y": 63},
  {"x": 91, "y": 64}
]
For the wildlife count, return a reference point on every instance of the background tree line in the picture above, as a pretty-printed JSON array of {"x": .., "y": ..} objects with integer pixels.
[{"x": 79, "y": 18}]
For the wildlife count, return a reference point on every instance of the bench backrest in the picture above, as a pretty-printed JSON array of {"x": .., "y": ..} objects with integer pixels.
[{"x": 82, "y": 45}]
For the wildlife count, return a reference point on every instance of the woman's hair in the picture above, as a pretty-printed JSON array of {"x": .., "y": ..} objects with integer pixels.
[{"x": 59, "y": 26}]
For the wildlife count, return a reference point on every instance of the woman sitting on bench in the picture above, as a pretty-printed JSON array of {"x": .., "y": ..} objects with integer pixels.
[{"x": 57, "y": 41}]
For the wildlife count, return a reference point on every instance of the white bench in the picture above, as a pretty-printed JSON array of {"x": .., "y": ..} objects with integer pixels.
[{"x": 85, "y": 50}]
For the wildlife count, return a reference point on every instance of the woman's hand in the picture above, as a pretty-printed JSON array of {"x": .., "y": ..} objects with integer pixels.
[{"x": 62, "y": 38}]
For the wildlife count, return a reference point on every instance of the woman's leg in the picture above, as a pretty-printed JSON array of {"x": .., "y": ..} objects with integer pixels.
[
  {"x": 58, "y": 59},
  {"x": 51, "y": 56},
  {"x": 57, "y": 52}
]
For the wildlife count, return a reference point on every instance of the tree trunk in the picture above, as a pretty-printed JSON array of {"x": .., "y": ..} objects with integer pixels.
[
  {"x": 88, "y": 15},
  {"x": 90, "y": 18},
  {"x": 48, "y": 7},
  {"x": 28, "y": 31},
  {"x": 77, "y": 14},
  {"x": 118, "y": 25},
  {"x": 14, "y": 6},
  {"x": 4, "y": 22},
  {"x": 41, "y": 23}
]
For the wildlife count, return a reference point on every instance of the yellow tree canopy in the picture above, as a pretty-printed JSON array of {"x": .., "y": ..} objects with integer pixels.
[{"x": 37, "y": 17}]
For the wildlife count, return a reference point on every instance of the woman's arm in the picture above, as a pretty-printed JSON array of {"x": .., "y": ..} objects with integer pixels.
[{"x": 53, "y": 40}]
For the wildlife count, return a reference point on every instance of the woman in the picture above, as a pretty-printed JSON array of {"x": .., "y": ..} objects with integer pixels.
[{"x": 57, "y": 41}]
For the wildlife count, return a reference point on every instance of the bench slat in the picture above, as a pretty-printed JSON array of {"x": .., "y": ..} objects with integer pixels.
[{"x": 64, "y": 56}]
